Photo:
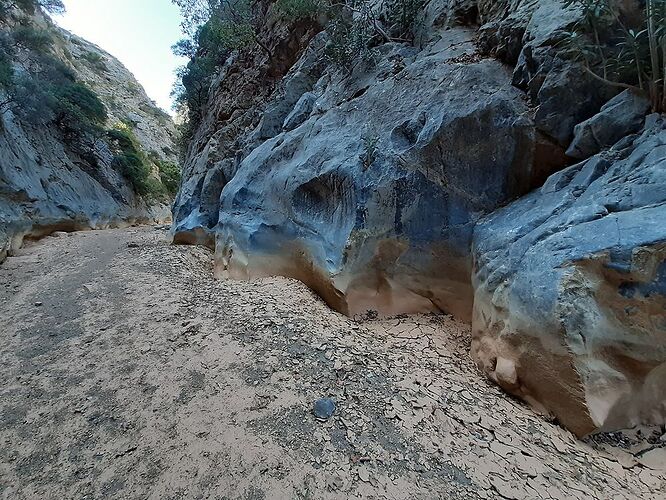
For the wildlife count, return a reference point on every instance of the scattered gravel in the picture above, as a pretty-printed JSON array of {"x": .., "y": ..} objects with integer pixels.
[{"x": 142, "y": 377}]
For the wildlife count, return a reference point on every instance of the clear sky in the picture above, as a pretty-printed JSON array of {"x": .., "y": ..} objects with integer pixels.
[{"x": 139, "y": 33}]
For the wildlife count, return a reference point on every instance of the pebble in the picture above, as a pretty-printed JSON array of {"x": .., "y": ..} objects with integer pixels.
[{"x": 324, "y": 408}]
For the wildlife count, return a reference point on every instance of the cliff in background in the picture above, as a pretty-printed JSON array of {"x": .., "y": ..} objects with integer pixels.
[{"x": 57, "y": 173}]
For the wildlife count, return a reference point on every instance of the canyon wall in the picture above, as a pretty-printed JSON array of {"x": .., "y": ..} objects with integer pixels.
[
  {"x": 50, "y": 181},
  {"x": 389, "y": 187}
]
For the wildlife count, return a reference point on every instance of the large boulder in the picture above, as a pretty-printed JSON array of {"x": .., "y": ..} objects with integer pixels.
[
  {"x": 570, "y": 301},
  {"x": 372, "y": 200}
]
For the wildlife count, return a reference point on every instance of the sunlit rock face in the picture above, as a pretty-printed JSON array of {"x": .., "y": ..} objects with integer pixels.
[{"x": 570, "y": 303}]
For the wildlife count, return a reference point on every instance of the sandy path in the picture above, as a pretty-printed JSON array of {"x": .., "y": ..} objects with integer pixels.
[{"x": 127, "y": 372}]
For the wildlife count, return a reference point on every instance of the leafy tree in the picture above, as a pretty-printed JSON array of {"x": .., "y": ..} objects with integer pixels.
[
  {"x": 170, "y": 176},
  {"x": 50, "y": 6},
  {"x": 78, "y": 110},
  {"x": 300, "y": 9},
  {"x": 136, "y": 166},
  {"x": 130, "y": 161},
  {"x": 619, "y": 53}
]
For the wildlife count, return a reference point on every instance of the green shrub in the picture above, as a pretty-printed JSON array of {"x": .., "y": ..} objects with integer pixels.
[
  {"x": 130, "y": 160},
  {"x": 400, "y": 17},
  {"x": 134, "y": 169},
  {"x": 31, "y": 38},
  {"x": 350, "y": 42},
  {"x": 6, "y": 72},
  {"x": 85, "y": 100},
  {"x": 78, "y": 110},
  {"x": 29, "y": 6},
  {"x": 170, "y": 175},
  {"x": 96, "y": 59},
  {"x": 137, "y": 166},
  {"x": 299, "y": 9},
  {"x": 619, "y": 51}
]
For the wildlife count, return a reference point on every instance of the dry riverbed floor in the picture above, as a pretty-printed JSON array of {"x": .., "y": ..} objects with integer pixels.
[{"x": 128, "y": 372}]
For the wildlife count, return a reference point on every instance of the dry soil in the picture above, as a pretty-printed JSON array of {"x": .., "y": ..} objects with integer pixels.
[{"x": 128, "y": 372}]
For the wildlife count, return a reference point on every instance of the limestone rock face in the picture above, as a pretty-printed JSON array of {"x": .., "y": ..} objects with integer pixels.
[
  {"x": 382, "y": 189},
  {"x": 570, "y": 301},
  {"x": 372, "y": 199},
  {"x": 125, "y": 99},
  {"x": 366, "y": 186}
]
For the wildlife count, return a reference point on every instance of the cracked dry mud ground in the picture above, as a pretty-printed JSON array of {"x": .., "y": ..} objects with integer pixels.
[{"x": 139, "y": 376}]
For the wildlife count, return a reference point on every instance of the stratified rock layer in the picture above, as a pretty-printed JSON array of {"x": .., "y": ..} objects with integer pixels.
[{"x": 570, "y": 302}]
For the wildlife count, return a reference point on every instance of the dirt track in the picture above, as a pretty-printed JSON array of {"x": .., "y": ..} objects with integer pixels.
[{"x": 127, "y": 372}]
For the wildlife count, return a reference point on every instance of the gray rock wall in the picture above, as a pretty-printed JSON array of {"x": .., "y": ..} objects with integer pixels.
[
  {"x": 375, "y": 187},
  {"x": 367, "y": 185}
]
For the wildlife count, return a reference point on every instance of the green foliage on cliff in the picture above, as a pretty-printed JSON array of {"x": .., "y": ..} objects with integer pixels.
[
  {"x": 225, "y": 26},
  {"x": 217, "y": 28},
  {"x": 30, "y": 6},
  {"x": 78, "y": 109},
  {"x": 130, "y": 160},
  {"x": 51, "y": 94},
  {"x": 137, "y": 167},
  {"x": 170, "y": 176},
  {"x": 45, "y": 90},
  {"x": 622, "y": 48},
  {"x": 31, "y": 38},
  {"x": 300, "y": 9}
]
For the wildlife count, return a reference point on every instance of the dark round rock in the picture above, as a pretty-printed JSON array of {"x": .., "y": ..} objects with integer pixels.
[{"x": 324, "y": 408}]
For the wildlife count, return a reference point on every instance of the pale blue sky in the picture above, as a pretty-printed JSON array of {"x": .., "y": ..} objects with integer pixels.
[{"x": 138, "y": 32}]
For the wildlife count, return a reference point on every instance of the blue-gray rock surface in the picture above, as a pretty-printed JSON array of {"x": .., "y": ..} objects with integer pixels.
[
  {"x": 619, "y": 117},
  {"x": 368, "y": 185},
  {"x": 570, "y": 301}
]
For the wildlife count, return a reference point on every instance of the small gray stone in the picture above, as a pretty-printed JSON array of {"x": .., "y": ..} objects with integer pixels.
[
  {"x": 324, "y": 408},
  {"x": 619, "y": 117}
]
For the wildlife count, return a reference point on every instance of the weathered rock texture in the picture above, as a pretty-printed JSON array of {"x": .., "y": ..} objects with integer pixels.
[
  {"x": 570, "y": 303},
  {"x": 368, "y": 185},
  {"x": 45, "y": 184}
]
